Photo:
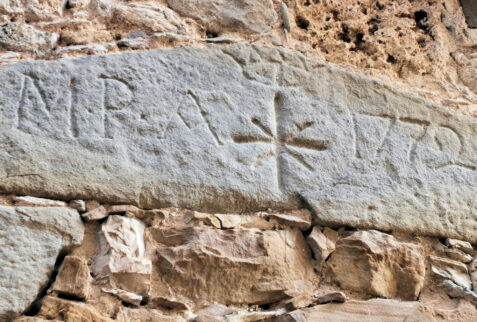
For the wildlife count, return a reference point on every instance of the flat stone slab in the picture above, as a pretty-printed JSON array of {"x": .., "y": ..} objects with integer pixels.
[{"x": 237, "y": 128}]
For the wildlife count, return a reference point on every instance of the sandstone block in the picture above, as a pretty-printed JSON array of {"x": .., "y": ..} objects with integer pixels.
[
  {"x": 357, "y": 151},
  {"x": 23, "y": 37},
  {"x": 322, "y": 244},
  {"x": 229, "y": 15},
  {"x": 195, "y": 265},
  {"x": 73, "y": 278},
  {"x": 149, "y": 17},
  {"x": 337, "y": 296},
  {"x": 31, "y": 239},
  {"x": 56, "y": 308},
  {"x": 458, "y": 255},
  {"x": 376, "y": 263}
]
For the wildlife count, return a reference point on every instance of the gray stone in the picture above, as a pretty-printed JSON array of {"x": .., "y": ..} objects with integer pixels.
[
  {"x": 233, "y": 129},
  {"x": 33, "y": 201},
  {"x": 470, "y": 12},
  {"x": 382, "y": 310},
  {"x": 457, "y": 291},
  {"x": 452, "y": 270},
  {"x": 23, "y": 37},
  {"x": 79, "y": 205},
  {"x": 31, "y": 239},
  {"x": 228, "y": 15}
]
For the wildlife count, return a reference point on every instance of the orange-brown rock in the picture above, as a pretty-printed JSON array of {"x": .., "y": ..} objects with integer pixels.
[
  {"x": 377, "y": 264},
  {"x": 64, "y": 310},
  {"x": 322, "y": 243},
  {"x": 73, "y": 278},
  {"x": 200, "y": 265}
]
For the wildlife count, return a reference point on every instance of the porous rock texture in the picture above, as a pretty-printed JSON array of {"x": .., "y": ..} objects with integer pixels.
[
  {"x": 412, "y": 44},
  {"x": 31, "y": 240},
  {"x": 238, "y": 160}
]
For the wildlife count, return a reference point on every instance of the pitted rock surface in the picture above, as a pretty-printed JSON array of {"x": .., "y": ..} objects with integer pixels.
[
  {"x": 31, "y": 239},
  {"x": 234, "y": 129}
]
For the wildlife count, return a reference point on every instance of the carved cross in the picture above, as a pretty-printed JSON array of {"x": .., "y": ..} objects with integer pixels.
[{"x": 282, "y": 143}]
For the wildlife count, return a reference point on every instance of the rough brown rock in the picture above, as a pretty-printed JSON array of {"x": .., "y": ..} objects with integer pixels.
[
  {"x": 223, "y": 15},
  {"x": 73, "y": 278},
  {"x": 376, "y": 263},
  {"x": 64, "y": 310},
  {"x": 23, "y": 37},
  {"x": 322, "y": 243},
  {"x": 197, "y": 265}
]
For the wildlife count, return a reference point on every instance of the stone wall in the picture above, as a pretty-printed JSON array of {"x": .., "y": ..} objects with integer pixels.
[
  {"x": 238, "y": 160},
  {"x": 175, "y": 264}
]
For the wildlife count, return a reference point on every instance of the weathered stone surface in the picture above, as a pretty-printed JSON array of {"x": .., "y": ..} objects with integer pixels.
[
  {"x": 455, "y": 271},
  {"x": 56, "y": 308},
  {"x": 376, "y": 263},
  {"x": 458, "y": 291},
  {"x": 31, "y": 239},
  {"x": 143, "y": 314},
  {"x": 173, "y": 127},
  {"x": 357, "y": 311},
  {"x": 23, "y": 37},
  {"x": 473, "y": 274},
  {"x": 101, "y": 211},
  {"x": 459, "y": 244},
  {"x": 79, "y": 205},
  {"x": 222, "y": 15},
  {"x": 73, "y": 278},
  {"x": 32, "y": 201},
  {"x": 150, "y": 17},
  {"x": 322, "y": 243},
  {"x": 458, "y": 255},
  {"x": 198, "y": 265},
  {"x": 122, "y": 258}
]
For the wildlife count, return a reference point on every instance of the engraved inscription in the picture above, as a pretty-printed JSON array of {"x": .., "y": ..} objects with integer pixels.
[
  {"x": 116, "y": 96},
  {"x": 32, "y": 108},
  {"x": 282, "y": 142},
  {"x": 77, "y": 105},
  {"x": 201, "y": 107},
  {"x": 372, "y": 137},
  {"x": 204, "y": 115}
]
